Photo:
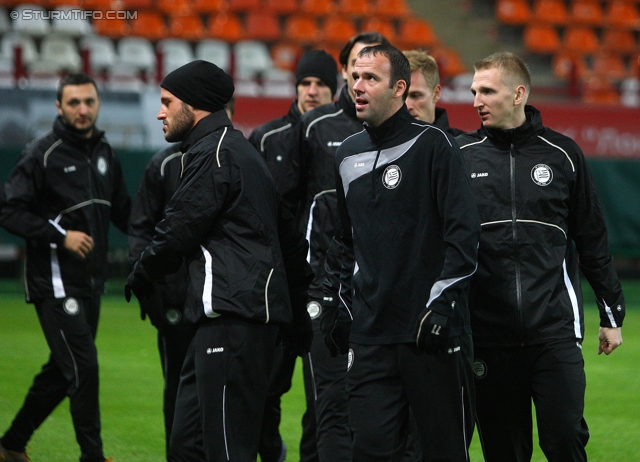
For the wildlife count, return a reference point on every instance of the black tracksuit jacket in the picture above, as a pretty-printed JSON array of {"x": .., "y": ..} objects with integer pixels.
[
  {"x": 159, "y": 182},
  {"x": 277, "y": 141},
  {"x": 322, "y": 131},
  {"x": 541, "y": 223},
  {"x": 408, "y": 218},
  {"x": 65, "y": 182},
  {"x": 242, "y": 251}
]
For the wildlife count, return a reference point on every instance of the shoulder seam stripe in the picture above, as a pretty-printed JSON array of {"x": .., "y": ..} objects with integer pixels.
[
  {"x": 573, "y": 168},
  {"x": 169, "y": 157},
  {"x": 220, "y": 144},
  {"x": 271, "y": 132},
  {"x": 476, "y": 142},
  {"x": 322, "y": 118},
  {"x": 50, "y": 150}
]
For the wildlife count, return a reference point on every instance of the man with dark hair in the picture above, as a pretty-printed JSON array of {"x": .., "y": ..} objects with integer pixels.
[
  {"x": 316, "y": 84},
  {"x": 409, "y": 229},
  {"x": 542, "y": 224},
  {"x": 424, "y": 91},
  {"x": 320, "y": 132},
  {"x": 165, "y": 307},
  {"x": 65, "y": 189},
  {"x": 247, "y": 274}
]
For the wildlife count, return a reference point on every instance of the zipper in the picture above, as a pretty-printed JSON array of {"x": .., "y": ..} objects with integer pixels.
[
  {"x": 512, "y": 174},
  {"x": 91, "y": 207},
  {"x": 373, "y": 175}
]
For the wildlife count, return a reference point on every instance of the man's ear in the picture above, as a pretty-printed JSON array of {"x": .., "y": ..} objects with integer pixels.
[
  {"x": 437, "y": 92},
  {"x": 401, "y": 87},
  {"x": 59, "y": 107},
  {"x": 521, "y": 95}
]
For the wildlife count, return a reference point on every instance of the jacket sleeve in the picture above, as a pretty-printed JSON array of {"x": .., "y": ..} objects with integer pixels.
[
  {"x": 344, "y": 241},
  {"x": 146, "y": 211},
  {"x": 294, "y": 252},
  {"x": 21, "y": 214},
  {"x": 460, "y": 226},
  {"x": 189, "y": 215},
  {"x": 120, "y": 200},
  {"x": 588, "y": 230}
]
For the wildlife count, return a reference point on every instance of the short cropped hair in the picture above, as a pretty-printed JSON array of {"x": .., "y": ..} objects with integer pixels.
[
  {"x": 423, "y": 62},
  {"x": 78, "y": 78},
  {"x": 400, "y": 69},
  {"x": 514, "y": 70},
  {"x": 363, "y": 37}
]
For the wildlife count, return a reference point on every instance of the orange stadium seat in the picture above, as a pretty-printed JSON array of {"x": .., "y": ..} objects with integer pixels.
[
  {"x": 391, "y": 8},
  {"x": 599, "y": 90},
  {"x": 52, "y": 4},
  {"x": 301, "y": 29},
  {"x": 622, "y": 14},
  {"x": 586, "y": 13},
  {"x": 150, "y": 25},
  {"x": 225, "y": 26},
  {"x": 209, "y": 6},
  {"x": 281, "y": 6},
  {"x": 610, "y": 65},
  {"x": 549, "y": 12},
  {"x": 337, "y": 30},
  {"x": 101, "y": 5},
  {"x": 581, "y": 40},
  {"x": 513, "y": 12},
  {"x": 285, "y": 55},
  {"x": 133, "y": 4},
  {"x": 357, "y": 8},
  {"x": 186, "y": 26},
  {"x": 449, "y": 62},
  {"x": 244, "y": 5},
  {"x": 262, "y": 25},
  {"x": 174, "y": 7},
  {"x": 543, "y": 39},
  {"x": 317, "y": 7},
  {"x": 416, "y": 33},
  {"x": 619, "y": 41},
  {"x": 378, "y": 24},
  {"x": 114, "y": 28},
  {"x": 566, "y": 65}
]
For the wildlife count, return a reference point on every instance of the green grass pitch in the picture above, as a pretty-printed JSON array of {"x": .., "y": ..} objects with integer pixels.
[{"x": 131, "y": 385}]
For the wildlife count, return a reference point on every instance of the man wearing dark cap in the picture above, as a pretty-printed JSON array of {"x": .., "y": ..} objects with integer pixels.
[
  {"x": 316, "y": 84},
  {"x": 247, "y": 273}
]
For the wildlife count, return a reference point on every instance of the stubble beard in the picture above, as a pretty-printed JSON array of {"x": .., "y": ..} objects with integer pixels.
[{"x": 182, "y": 125}]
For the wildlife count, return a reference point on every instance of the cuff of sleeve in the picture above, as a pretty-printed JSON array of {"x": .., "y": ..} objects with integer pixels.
[{"x": 58, "y": 233}]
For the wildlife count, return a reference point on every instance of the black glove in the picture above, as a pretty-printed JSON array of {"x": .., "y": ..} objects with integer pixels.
[
  {"x": 338, "y": 339},
  {"x": 138, "y": 283},
  {"x": 433, "y": 332},
  {"x": 152, "y": 305},
  {"x": 297, "y": 336}
]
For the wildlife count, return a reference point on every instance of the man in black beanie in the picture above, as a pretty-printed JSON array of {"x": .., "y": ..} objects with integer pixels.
[
  {"x": 316, "y": 83},
  {"x": 246, "y": 265}
]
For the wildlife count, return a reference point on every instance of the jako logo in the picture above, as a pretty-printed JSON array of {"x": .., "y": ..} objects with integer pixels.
[
  {"x": 215, "y": 350},
  {"x": 479, "y": 175}
]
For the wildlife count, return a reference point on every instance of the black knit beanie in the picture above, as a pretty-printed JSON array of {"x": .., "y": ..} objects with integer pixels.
[
  {"x": 319, "y": 64},
  {"x": 200, "y": 84}
]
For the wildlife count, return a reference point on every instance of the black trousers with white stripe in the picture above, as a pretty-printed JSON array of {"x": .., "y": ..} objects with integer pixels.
[
  {"x": 222, "y": 391},
  {"x": 385, "y": 381},
  {"x": 70, "y": 327}
]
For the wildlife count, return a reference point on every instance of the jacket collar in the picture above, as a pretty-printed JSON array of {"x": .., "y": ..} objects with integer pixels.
[
  {"x": 346, "y": 103},
  {"x": 442, "y": 119},
  {"x": 391, "y": 127},
  {"x": 532, "y": 127},
  {"x": 71, "y": 136},
  {"x": 294, "y": 111},
  {"x": 206, "y": 125}
]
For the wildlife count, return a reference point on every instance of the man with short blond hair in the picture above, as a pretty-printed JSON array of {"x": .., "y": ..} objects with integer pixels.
[{"x": 425, "y": 91}]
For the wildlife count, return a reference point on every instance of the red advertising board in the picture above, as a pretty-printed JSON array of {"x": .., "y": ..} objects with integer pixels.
[{"x": 601, "y": 131}]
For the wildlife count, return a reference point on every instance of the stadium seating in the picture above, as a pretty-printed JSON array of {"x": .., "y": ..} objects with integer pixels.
[
  {"x": 542, "y": 39},
  {"x": 382, "y": 25},
  {"x": 35, "y": 24},
  {"x": 214, "y": 51},
  {"x": 416, "y": 33},
  {"x": 355, "y": 8},
  {"x": 174, "y": 53},
  {"x": 262, "y": 25},
  {"x": 102, "y": 52},
  {"x": 60, "y": 53},
  {"x": 513, "y": 12},
  {"x": 586, "y": 13},
  {"x": 581, "y": 40},
  {"x": 622, "y": 14},
  {"x": 338, "y": 29},
  {"x": 549, "y": 12},
  {"x": 186, "y": 26},
  {"x": 619, "y": 41},
  {"x": 150, "y": 25},
  {"x": 69, "y": 23},
  {"x": 301, "y": 28},
  {"x": 225, "y": 26}
]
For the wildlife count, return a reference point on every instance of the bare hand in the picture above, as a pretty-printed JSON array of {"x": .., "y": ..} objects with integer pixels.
[
  {"x": 78, "y": 243},
  {"x": 610, "y": 339}
]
